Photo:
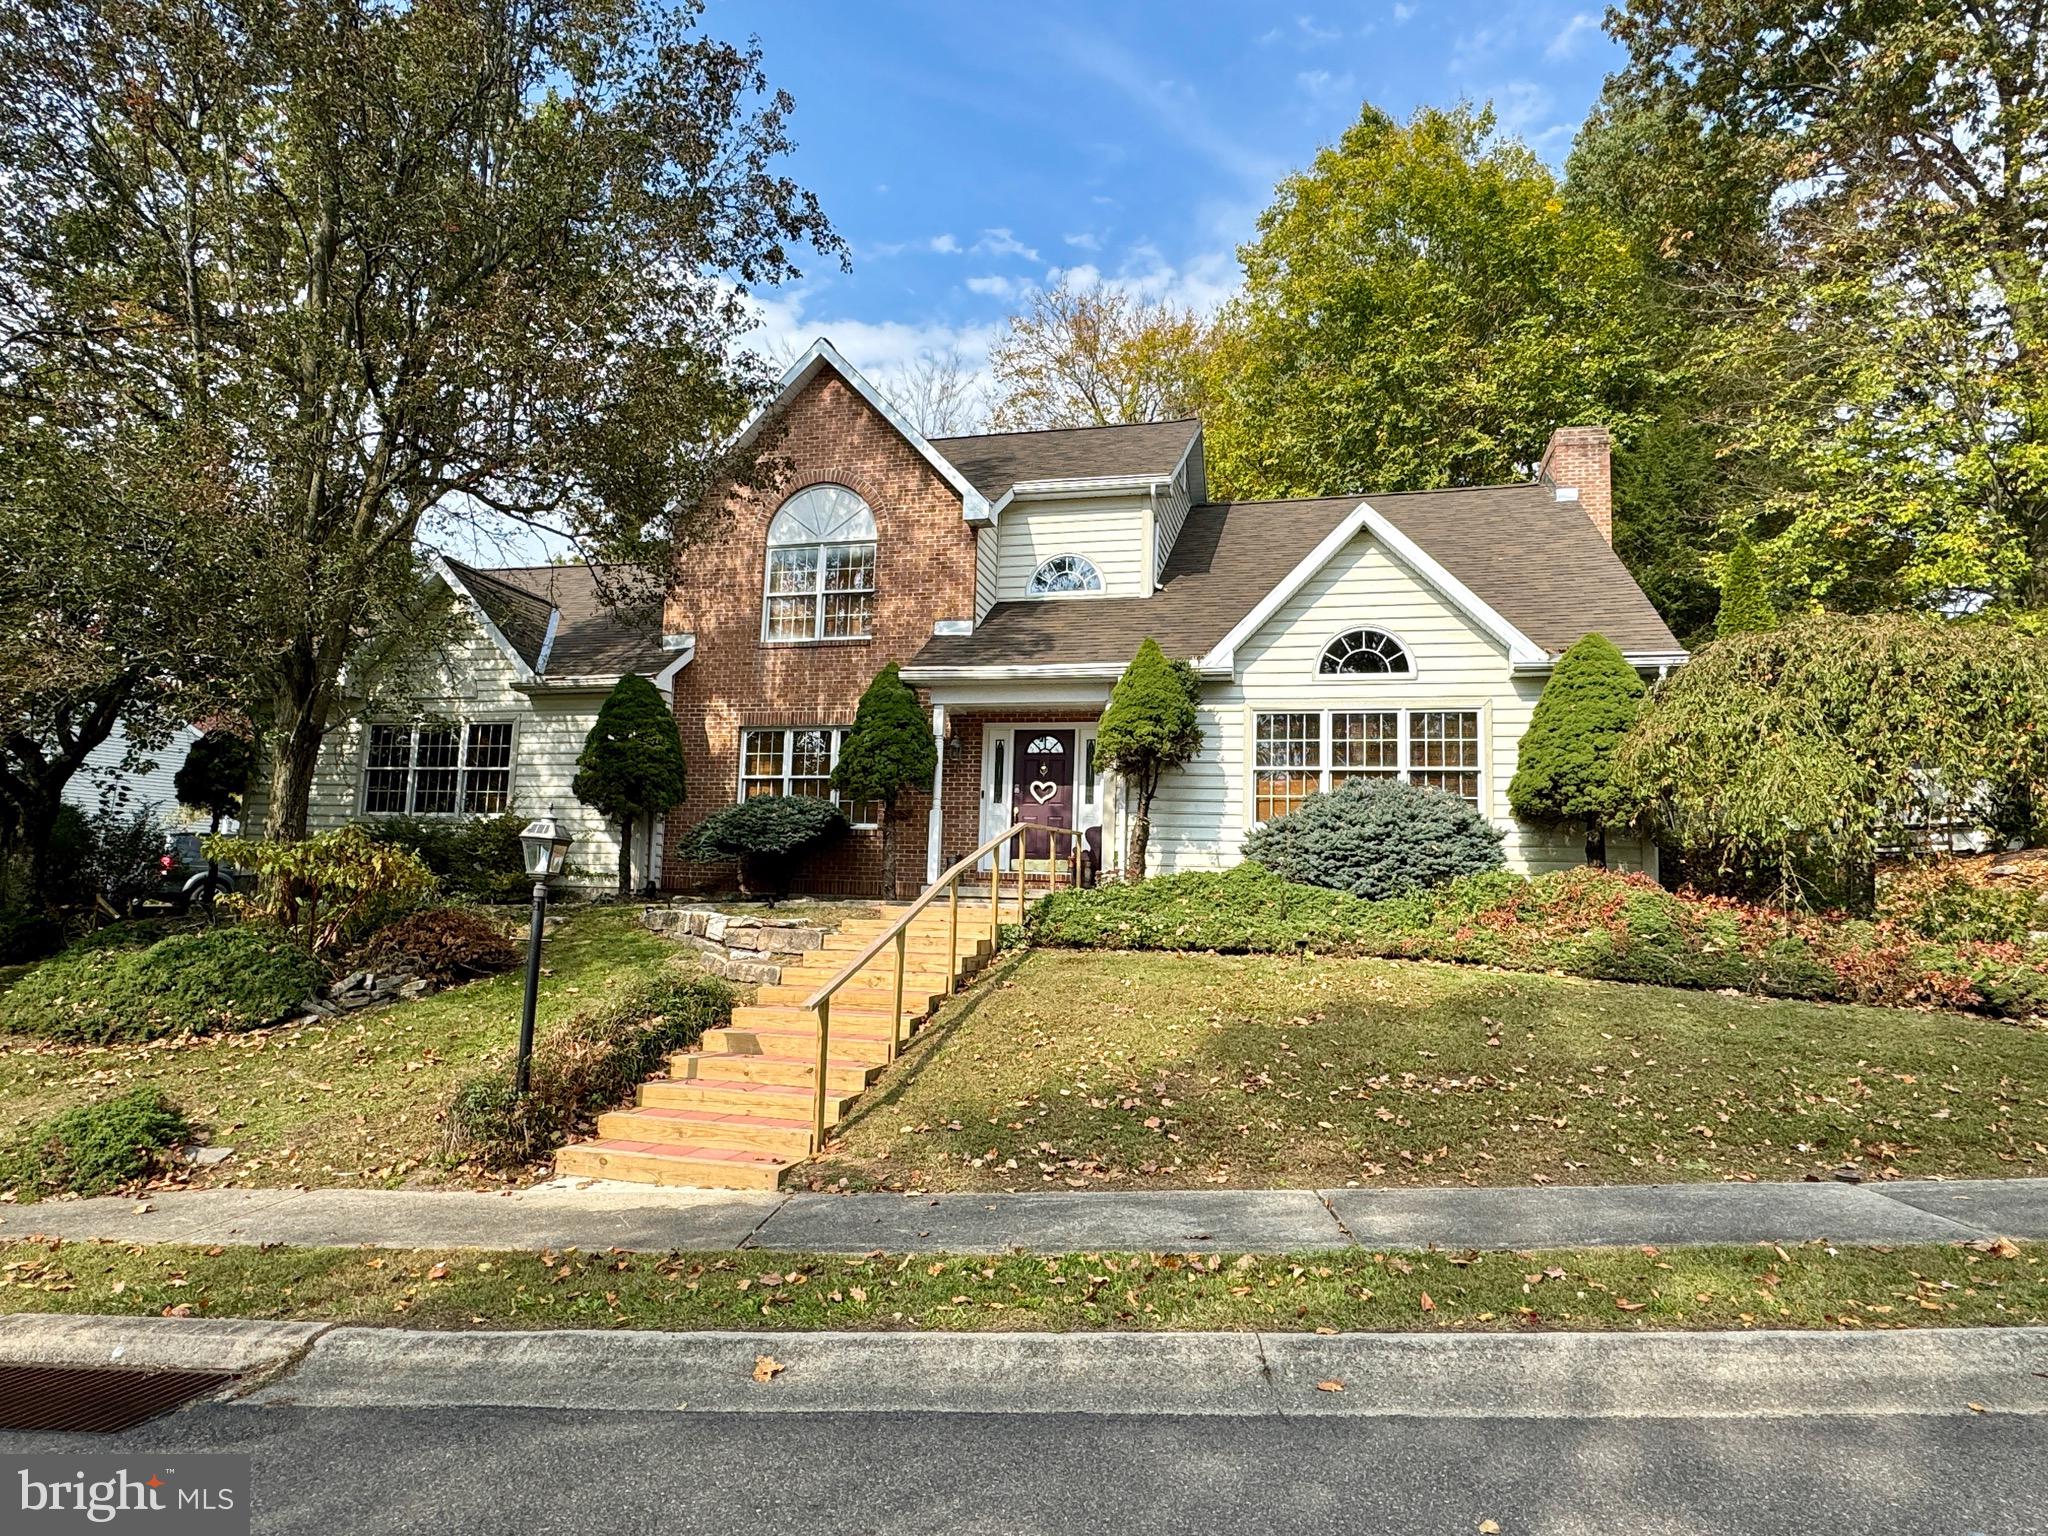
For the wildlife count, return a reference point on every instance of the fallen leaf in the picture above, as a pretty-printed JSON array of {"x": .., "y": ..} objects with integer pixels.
[
  {"x": 1427, "y": 1304},
  {"x": 1489, "y": 1528},
  {"x": 438, "y": 1272},
  {"x": 1329, "y": 1386},
  {"x": 767, "y": 1367},
  {"x": 1629, "y": 1306},
  {"x": 1977, "y": 1408}
]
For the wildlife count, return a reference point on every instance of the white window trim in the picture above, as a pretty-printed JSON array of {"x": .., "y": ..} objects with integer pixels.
[
  {"x": 1030, "y": 587},
  {"x": 412, "y": 730},
  {"x": 1324, "y": 679},
  {"x": 838, "y": 734},
  {"x": 1404, "y": 770},
  {"x": 819, "y": 548}
]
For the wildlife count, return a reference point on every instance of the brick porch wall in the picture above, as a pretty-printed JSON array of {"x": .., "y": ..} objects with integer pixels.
[{"x": 924, "y": 572}]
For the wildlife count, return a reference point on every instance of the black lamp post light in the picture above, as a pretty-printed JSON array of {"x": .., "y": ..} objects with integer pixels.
[{"x": 546, "y": 845}]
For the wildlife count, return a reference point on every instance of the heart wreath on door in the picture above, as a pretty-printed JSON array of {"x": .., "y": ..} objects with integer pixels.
[{"x": 1043, "y": 790}]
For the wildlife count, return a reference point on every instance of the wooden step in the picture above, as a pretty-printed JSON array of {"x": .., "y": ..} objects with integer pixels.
[
  {"x": 915, "y": 999},
  {"x": 781, "y": 1135},
  {"x": 728, "y": 1096},
  {"x": 796, "y": 1040},
  {"x": 847, "y": 1024},
  {"x": 654, "y": 1162},
  {"x": 842, "y": 1074},
  {"x": 872, "y": 981}
]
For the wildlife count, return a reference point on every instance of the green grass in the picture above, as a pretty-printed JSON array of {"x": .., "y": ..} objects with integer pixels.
[
  {"x": 1069, "y": 1069},
  {"x": 1811, "y": 1286},
  {"x": 353, "y": 1100}
]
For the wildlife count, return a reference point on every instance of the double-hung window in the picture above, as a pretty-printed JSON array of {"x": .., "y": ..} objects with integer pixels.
[
  {"x": 1299, "y": 753},
  {"x": 438, "y": 770},
  {"x": 821, "y": 568},
  {"x": 796, "y": 761}
]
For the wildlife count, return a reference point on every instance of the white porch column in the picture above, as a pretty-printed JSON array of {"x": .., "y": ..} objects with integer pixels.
[{"x": 935, "y": 830}]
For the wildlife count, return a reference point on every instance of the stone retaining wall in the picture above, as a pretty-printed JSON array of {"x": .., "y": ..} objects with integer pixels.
[{"x": 751, "y": 949}]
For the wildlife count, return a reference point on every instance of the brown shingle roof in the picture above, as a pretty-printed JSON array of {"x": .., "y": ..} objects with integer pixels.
[
  {"x": 591, "y": 640},
  {"x": 995, "y": 461},
  {"x": 1536, "y": 561}
]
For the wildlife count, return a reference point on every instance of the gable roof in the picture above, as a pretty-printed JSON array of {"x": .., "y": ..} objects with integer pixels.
[
  {"x": 1536, "y": 562},
  {"x": 554, "y": 619},
  {"x": 996, "y": 461}
]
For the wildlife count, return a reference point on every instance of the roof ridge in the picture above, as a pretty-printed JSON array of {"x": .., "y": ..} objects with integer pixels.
[
  {"x": 1099, "y": 426},
  {"x": 1442, "y": 490}
]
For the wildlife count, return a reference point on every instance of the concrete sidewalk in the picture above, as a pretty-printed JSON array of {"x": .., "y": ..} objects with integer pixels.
[{"x": 636, "y": 1217}]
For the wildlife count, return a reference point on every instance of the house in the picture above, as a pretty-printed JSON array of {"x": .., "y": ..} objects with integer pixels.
[
  {"x": 499, "y": 727},
  {"x": 1012, "y": 575},
  {"x": 116, "y": 776}
]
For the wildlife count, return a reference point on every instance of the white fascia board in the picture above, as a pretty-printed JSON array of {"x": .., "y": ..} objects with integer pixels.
[
  {"x": 1078, "y": 489},
  {"x": 522, "y": 673},
  {"x": 822, "y": 354},
  {"x": 1522, "y": 651},
  {"x": 1640, "y": 660},
  {"x": 547, "y": 641},
  {"x": 1094, "y": 671},
  {"x": 665, "y": 679}
]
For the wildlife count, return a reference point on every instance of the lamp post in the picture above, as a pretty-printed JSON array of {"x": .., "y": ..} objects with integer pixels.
[{"x": 545, "y": 843}]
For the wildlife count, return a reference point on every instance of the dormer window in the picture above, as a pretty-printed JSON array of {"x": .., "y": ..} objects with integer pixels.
[
  {"x": 1064, "y": 575},
  {"x": 1365, "y": 652},
  {"x": 821, "y": 568}
]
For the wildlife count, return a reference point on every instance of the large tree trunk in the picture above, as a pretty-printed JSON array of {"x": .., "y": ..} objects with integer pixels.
[
  {"x": 1141, "y": 838},
  {"x": 298, "y": 729}
]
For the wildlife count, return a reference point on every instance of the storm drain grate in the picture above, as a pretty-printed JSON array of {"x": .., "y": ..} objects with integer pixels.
[{"x": 95, "y": 1400}]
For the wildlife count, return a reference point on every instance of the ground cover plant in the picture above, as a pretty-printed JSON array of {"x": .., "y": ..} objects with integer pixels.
[
  {"x": 356, "y": 1100},
  {"x": 237, "y": 977},
  {"x": 96, "y": 1147},
  {"x": 1084, "y": 1070},
  {"x": 1587, "y": 922},
  {"x": 1813, "y": 1285}
]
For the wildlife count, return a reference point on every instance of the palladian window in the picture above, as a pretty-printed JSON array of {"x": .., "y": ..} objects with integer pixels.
[
  {"x": 1367, "y": 652},
  {"x": 821, "y": 568}
]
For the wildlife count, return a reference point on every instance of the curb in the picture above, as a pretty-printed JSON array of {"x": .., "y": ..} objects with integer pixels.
[{"x": 229, "y": 1345}]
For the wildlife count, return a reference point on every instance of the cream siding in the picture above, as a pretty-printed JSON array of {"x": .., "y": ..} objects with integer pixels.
[
  {"x": 1171, "y": 514},
  {"x": 987, "y": 543},
  {"x": 1203, "y": 812},
  {"x": 1113, "y": 535},
  {"x": 475, "y": 684},
  {"x": 109, "y": 780}
]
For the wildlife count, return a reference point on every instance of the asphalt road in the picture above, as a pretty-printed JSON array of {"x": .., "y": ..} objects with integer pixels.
[{"x": 321, "y": 1471}]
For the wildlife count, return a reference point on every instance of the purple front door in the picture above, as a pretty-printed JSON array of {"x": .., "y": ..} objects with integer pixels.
[{"x": 1042, "y": 788}]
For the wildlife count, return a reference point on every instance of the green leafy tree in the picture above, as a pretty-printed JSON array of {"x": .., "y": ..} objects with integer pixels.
[
  {"x": 631, "y": 765},
  {"x": 1150, "y": 726},
  {"x": 459, "y": 262},
  {"x": 1844, "y": 200},
  {"x": 212, "y": 779},
  {"x": 1794, "y": 757},
  {"x": 1564, "y": 769},
  {"x": 888, "y": 753},
  {"x": 1745, "y": 606},
  {"x": 1421, "y": 308}
]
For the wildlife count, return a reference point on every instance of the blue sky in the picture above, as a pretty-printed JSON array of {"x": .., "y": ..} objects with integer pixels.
[{"x": 968, "y": 151}]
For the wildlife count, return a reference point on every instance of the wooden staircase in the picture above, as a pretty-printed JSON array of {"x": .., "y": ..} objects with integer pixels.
[{"x": 741, "y": 1109}]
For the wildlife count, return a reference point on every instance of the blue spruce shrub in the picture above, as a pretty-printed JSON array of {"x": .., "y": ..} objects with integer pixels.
[{"x": 1377, "y": 838}]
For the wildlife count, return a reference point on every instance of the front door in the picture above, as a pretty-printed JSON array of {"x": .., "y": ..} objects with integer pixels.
[{"x": 1042, "y": 787}]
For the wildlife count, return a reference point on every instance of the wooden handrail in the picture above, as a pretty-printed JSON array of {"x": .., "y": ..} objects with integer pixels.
[{"x": 898, "y": 933}]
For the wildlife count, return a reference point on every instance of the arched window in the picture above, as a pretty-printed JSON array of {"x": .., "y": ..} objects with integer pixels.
[
  {"x": 821, "y": 567},
  {"x": 1371, "y": 652},
  {"x": 1062, "y": 574}
]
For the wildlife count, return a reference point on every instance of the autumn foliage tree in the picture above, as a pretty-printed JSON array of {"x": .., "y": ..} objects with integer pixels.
[{"x": 1082, "y": 355}]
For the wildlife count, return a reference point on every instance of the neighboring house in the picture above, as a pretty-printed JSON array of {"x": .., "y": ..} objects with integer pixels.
[
  {"x": 1013, "y": 575},
  {"x": 500, "y": 729},
  {"x": 109, "y": 780}
]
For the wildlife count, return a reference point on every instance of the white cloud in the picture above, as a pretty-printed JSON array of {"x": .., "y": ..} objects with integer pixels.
[
  {"x": 1523, "y": 109},
  {"x": 882, "y": 350},
  {"x": 1175, "y": 108},
  {"x": 1084, "y": 241},
  {"x": 995, "y": 286},
  {"x": 1567, "y": 41},
  {"x": 1001, "y": 242},
  {"x": 1403, "y": 11},
  {"x": 1321, "y": 85},
  {"x": 945, "y": 245}
]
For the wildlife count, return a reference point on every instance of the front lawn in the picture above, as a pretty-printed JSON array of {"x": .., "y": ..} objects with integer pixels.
[
  {"x": 1080, "y": 1070},
  {"x": 353, "y": 1100},
  {"x": 1810, "y": 1286}
]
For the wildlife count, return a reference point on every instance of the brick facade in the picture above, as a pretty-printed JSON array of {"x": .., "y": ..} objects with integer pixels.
[
  {"x": 924, "y": 571},
  {"x": 1580, "y": 458}
]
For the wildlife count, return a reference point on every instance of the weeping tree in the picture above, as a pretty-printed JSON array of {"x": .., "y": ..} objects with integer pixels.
[
  {"x": 1796, "y": 757},
  {"x": 407, "y": 267},
  {"x": 1564, "y": 773},
  {"x": 1150, "y": 726}
]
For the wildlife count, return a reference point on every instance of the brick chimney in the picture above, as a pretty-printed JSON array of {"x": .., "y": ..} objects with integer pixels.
[{"x": 1576, "y": 466}]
